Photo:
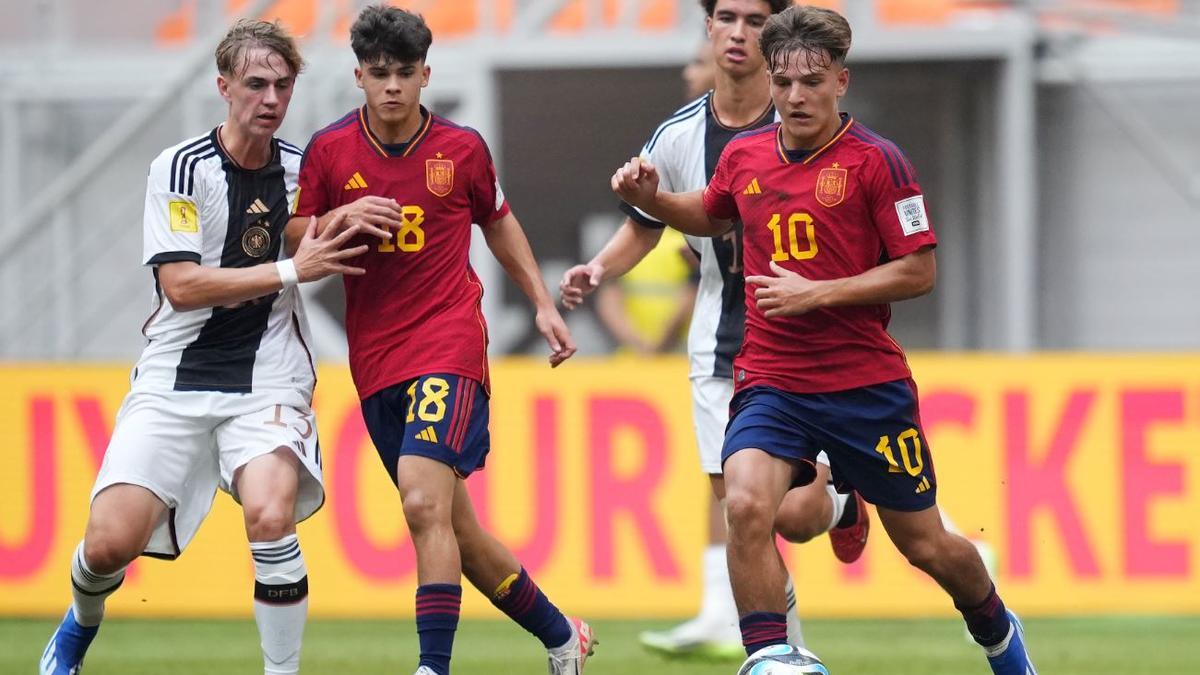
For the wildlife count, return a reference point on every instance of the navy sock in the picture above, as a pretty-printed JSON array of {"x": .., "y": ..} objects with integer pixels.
[
  {"x": 988, "y": 621},
  {"x": 524, "y": 602},
  {"x": 438, "y": 607},
  {"x": 763, "y": 629}
]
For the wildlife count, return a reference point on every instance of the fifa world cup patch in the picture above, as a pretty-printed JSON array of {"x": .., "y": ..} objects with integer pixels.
[
  {"x": 439, "y": 176},
  {"x": 911, "y": 213},
  {"x": 183, "y": 217}
]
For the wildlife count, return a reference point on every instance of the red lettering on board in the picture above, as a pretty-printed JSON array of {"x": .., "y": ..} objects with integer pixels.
[
  {"x": 380, "y": 563},
  {"x": 1034, "y": 486},
  {"x": 28, "y": 557},
  {"x": 629, "y": 496},
  {"x": 1144, "y": 480}
]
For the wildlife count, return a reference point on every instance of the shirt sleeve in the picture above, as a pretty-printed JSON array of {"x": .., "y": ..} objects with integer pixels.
[
  {"x": 897, "y": 204},
  {"x": 173, "y": 221},
  {"x": 313, "y": 198},
  {"x": 487, "y": 198},
  {"x": 658, "y": 155},
  {"x": 718, "y": 199}
]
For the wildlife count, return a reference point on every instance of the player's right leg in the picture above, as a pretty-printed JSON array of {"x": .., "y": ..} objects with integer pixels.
[
  {"x": 155, "y": 486},
  {"x": 119, "y": 526}
]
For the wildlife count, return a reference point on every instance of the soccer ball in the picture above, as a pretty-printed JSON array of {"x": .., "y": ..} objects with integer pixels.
[{"x": 783, "y": 660}]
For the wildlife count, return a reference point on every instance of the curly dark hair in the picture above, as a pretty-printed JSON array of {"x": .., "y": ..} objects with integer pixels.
[
  {"x": 777, "y": 6},
  {"x": 382, "y": 33},
  {"x": 821, "y": 36}
]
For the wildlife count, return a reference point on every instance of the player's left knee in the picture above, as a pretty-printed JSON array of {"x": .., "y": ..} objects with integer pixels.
[{"x": 270, "y": 521}]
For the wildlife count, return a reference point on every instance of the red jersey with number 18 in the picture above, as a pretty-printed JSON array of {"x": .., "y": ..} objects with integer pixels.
[
  {"x": 831, "y": 213},
  {"x": 417, "y": 310}
]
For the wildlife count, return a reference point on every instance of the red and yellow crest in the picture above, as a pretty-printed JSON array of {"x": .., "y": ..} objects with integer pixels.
[
  {"x": 831, "y": 186},
  {"x": 439, "y": 176}
]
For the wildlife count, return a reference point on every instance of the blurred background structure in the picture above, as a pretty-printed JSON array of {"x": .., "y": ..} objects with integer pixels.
[{"x": 1057, "y": 142}]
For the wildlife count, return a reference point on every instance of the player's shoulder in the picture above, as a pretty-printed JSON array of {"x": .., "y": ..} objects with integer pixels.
[
  {"x": 449, "y": 129},
  {"x": 680, "y": 123},
  {"x": 176, "y": 167},
  {"x": 880, "y": 151},
  {"x": 344, "y": 126},
  {"x": 753, "y": 138},
  {"x": 290, "y": 156}
]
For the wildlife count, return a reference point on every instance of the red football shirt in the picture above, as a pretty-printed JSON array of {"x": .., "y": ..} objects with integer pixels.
[
  {"x": 831, "y": 213},
  {"x": 417, "y": 309}
]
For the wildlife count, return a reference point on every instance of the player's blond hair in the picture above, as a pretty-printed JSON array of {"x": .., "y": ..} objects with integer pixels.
[
  {"x": 819, "y": 35},
  {"x": 246, "y": 34}
]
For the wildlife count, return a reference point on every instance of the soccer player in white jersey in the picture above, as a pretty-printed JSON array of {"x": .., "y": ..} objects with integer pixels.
[
  {"x": 685, "y": 148},
  {"x": 222, "y": 392}
]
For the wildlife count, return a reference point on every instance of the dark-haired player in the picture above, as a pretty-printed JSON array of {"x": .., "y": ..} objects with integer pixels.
[
  {"x": 418, "y": 341},
  {"x": 835, "y": 229}
]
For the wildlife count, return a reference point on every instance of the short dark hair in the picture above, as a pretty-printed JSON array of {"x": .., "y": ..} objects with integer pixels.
[
  {"x": 247, "y": 34},
  {"x": 777, "y": 6},
  {"x": 821, "y": 35},
  {"x": 382, "y": 33}
]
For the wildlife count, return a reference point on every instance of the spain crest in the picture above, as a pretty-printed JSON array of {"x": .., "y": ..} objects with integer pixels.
[
  {"x": 831, "y": 186},
  {"x": 439, "y": 176}
]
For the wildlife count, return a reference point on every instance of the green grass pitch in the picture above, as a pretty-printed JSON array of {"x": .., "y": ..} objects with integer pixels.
[{"x": 1086, "y": 646}]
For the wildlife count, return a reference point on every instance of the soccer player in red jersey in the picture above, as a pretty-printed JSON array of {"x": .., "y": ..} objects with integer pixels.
[
  {"x": 835, "y": 228},
  {"x": 418, "y": 340}
]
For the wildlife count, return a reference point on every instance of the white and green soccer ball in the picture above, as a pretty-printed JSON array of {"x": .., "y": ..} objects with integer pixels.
[{"x": 783, "y": 660}]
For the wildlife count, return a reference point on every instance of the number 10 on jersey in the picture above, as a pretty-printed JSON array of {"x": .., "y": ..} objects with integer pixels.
[
  {"x": 793, "y": 251},
  {"x": 410, "y": 237}
]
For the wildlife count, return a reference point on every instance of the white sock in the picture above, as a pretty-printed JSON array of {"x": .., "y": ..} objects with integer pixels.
[
  {"x": 90, "y": 590},
  {"x": 717, "y": 601},
  {"x": 795, "y": 635},
  {"x": 280, "y": 602},
  {"x": 839, "y": 505}
]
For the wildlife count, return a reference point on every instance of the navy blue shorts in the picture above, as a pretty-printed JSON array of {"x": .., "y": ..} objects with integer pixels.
[
  {"x": 872, "y": 435},
  {"x": 439, "y": 416}
]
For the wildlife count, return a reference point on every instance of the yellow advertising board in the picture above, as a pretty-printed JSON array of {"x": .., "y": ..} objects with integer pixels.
[{"x": 1081, "y": 472}]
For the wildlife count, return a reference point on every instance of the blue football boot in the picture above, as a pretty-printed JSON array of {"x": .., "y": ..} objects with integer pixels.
[
  {"x": 64, "y": 654},
  {"x": 1014, "y": 659}
]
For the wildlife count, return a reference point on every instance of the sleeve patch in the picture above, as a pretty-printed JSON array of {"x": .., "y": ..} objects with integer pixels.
[
  {"x": 911, "y": 213},
  {"x": 183, "y": 217},
  {"x": 499, "y": 196}
]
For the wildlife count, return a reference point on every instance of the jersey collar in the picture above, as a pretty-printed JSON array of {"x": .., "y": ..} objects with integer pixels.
[
  {"x": 809, "y": 156},
  {"x": 215, "y": 138},
  {"x": 395, "y": 149}
]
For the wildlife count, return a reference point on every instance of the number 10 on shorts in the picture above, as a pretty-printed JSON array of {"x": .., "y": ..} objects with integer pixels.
[{"x": 909, "y": 443}]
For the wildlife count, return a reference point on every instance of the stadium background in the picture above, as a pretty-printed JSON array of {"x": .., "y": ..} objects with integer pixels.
[{"x": 1059, "y": 357}]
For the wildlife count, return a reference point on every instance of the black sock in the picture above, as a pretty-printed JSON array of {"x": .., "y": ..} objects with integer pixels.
[{"x": 849, "y": 513}]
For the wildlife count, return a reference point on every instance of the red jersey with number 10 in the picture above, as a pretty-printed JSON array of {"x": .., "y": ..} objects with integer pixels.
[
  {"x": 417, "y": 310},
  {"x": 831, "y": 213}
]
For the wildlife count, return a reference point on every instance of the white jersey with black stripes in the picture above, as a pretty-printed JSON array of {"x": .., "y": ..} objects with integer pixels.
[
  {"x": 685, "y": 149},
  {"x": 204, "y": 208}
]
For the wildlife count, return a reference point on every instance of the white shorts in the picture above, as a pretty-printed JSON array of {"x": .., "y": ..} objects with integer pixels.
[
  {"x": 182, "y": 446},
  {"x": 710, "y": 415}
]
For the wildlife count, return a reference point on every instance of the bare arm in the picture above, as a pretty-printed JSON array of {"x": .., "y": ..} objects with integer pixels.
[
  {"x": 637, "y": 184},
  {"x": 373, "y": 215},
  {"x": 789, "y": 294},
  {"x": 190, "y": 286},
  {"x": 627, "y": 247},
  {"x": 508, "y": 243}
]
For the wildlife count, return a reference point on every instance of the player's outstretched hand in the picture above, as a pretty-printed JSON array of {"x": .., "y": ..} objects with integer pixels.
[
  {"x": 320, "y": 255},
  {"x": 552, "y": 327},
  {"x": 636, "y": 183},
  {"x": 373, "y": 215},
  {"x": 578, "y": 282},
  {"x": 786, "y": 293}
]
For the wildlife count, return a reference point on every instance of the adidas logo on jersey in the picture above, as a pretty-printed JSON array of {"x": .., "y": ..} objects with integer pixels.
[
  {"x": 356, "y": 182},
  {"x": 427, "y": 434},
  {"x": 924, "y": 486},
  {"x": 752, "y": 188},
  {"x": 258, "y": 208}
]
